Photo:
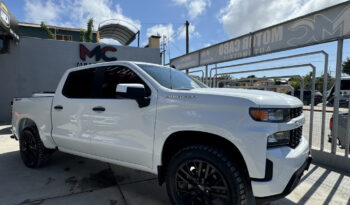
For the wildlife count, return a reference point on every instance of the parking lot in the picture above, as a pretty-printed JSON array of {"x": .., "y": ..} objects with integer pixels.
[{"x": 75, "y": 180}]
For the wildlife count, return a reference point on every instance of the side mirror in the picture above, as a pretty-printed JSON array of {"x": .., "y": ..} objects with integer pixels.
[{"x": 134, "y": 91}]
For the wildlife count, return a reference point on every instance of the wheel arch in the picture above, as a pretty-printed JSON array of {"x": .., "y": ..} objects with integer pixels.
[
  {"x": 178, "y": 140},
  {"x": 43, "y": 132},
  {"x": 24, "y": 123}
]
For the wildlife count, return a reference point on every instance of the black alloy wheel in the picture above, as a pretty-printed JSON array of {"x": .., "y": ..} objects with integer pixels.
[
  {"x": 32, "y": 150},
  {"x": 205, "y": 175},
  {"x": 200, "y": 182}
]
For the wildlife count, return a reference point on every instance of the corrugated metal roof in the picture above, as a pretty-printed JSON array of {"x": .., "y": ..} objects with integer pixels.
[{"x": 115, "y": 30}]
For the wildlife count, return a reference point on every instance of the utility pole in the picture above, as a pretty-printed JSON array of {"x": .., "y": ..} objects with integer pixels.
[
  {"x": 187, "y": 40},
  {"x": 163, "y": 48},
  {"x": 138, "y": 39},
  {"x": 187, "y": 37}
]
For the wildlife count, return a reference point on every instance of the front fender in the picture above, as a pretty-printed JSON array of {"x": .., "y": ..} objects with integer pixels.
[{"x": 231, "y": 122}]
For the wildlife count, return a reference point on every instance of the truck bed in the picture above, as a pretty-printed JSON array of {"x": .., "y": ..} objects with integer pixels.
[{"x": 37, "y": 108}]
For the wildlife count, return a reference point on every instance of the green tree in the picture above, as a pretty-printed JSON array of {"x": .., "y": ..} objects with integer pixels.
[
  {"x": 226, "y": 77},
  {"x": 346, "y": 66},
  {"x": 308, "y": 81},
  {"x": 277, "y": 81},
  {"x": 319, "y": 82},
  {"x": 82, "y": 35},
  {"x": 295, "y": 82},
  {"x": 90, "y": 26},
  {"x": 47, "y": 30},
  {"x": 251, "y": 76}
]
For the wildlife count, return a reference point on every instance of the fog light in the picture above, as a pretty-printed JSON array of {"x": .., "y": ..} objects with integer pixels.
[{"x": 278, "y": 139}]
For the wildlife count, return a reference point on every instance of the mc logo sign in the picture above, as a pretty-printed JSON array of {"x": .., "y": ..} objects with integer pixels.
[{"x": 98, "y": 52}]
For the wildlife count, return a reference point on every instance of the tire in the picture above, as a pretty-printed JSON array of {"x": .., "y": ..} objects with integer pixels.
[
  {"x": 32, "y": 150},
  {"x": 231, "y": 186}
]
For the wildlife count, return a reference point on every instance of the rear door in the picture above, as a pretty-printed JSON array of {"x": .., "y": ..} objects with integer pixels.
[{"x": 71, "y": 112}]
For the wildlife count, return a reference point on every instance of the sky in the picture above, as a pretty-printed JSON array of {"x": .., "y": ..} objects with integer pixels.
[{"x": 211, "y": 21}]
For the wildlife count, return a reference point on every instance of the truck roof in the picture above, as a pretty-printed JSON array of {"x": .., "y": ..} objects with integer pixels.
[{"x": 108, "y": 64}]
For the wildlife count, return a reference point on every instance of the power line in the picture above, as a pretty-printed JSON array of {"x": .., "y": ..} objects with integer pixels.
[
  {"x": 161, "y": 23},
  {"x": 175, "y": 47}
]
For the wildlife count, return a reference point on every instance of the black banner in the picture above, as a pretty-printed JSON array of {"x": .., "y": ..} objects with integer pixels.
[{"x": 8, "y": 22}]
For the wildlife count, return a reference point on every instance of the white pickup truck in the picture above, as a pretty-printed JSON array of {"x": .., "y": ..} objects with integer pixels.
[{"x": 210, "y": 146}]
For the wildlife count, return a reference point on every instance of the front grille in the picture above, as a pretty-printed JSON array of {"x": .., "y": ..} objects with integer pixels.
[
  {"x": 295, "y": 112},
  {"x": 295, "y": 137}
]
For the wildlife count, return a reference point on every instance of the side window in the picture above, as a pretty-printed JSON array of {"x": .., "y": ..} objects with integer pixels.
[
  {"x": 79, "y": 84},
  {"x": 115, "y": 75}
]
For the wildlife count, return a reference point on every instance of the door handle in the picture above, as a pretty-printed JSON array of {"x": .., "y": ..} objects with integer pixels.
[
  {"x": 58, "y": 107},
  {"x": 99, "y": 109}
]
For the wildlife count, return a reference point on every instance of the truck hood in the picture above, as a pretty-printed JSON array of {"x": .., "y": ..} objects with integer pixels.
[{"x": 259, "y": 97}]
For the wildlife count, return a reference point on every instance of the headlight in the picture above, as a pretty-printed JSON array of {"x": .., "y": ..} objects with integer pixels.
[
  {"x": 270, "y": 114},
  {"x": 278, "y": 139}
]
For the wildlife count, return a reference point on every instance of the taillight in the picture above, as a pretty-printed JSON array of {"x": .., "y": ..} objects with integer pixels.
[{"x": 331, "y": 124}]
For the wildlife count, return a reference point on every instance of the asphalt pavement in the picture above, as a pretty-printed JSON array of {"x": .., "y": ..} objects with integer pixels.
[{"x": 69, "y": 179}]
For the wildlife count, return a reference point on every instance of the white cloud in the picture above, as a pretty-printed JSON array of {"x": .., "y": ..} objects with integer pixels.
[
  {"x": 109, "y": 41},
  {"x": 207, "y": 45},
  {"x": 194, "y": 7},
  {"x": 180, "y": 1},
  {"x": 76, "y": 12},
  {"x": 181, "y": 32},
  {"x": 37, "y": 11},
  {"x": 162, "y": 30},
  {"x": 171, "y": 33},
  {"x": 243, "y": 16}
]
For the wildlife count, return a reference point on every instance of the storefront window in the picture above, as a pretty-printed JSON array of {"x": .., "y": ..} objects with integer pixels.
[{"x": 63, "y": 37}]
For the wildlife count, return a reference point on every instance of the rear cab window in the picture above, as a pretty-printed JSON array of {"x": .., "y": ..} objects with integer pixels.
[
  {"x": 100, "y": 82},
  {"x": 79, "y": 84}
]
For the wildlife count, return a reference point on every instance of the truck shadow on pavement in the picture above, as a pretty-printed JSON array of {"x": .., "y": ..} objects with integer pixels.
[
  {"x": 69, "y": 179},
  {"x": 5, "y": 131},
  {"x": 72, "y": 179},
  {"x": 320, "y": 185}
]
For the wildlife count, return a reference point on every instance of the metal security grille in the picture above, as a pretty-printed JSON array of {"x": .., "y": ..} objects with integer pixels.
[{"x": 295, "y": 136}]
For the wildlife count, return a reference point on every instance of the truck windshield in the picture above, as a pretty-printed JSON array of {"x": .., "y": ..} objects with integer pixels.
[{"x": 171, "y": 78}]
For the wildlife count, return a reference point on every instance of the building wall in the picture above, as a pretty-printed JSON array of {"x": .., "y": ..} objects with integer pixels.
[{"x": 36, "y": 65}]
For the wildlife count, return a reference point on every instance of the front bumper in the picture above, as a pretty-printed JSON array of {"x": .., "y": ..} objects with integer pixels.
[
  {"x": 293, "y": 182},
  {"x": 288, "y": 164}
]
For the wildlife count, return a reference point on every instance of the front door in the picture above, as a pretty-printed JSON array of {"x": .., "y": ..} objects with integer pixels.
[{"x": 122, "y": 130}]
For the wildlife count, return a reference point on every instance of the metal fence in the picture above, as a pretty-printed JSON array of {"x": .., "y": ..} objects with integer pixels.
[
  {"x": 265, "y": 78},
  {"x": 197, "y": 71},
  {"x": 318, "y": 115}
]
